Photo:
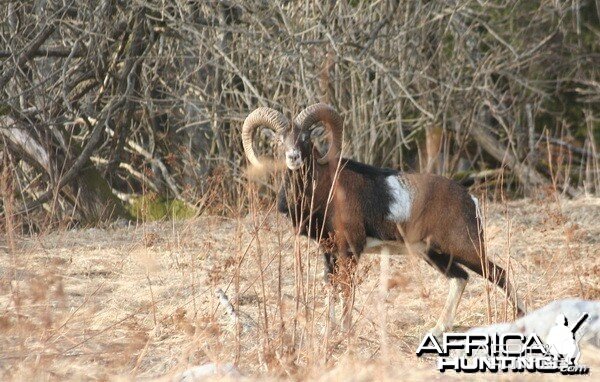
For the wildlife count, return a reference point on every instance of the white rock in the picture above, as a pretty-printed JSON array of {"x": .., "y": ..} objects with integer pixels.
[
  {"x": 542, "y": 320},
  {"x": 207, "y": 371}
]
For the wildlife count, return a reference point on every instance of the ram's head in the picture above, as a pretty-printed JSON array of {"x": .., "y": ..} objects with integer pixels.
[{"x": 295, "y": 138}]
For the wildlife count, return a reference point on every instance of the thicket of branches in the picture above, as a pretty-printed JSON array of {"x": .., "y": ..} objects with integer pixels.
[{"x": 101, "y": 101}]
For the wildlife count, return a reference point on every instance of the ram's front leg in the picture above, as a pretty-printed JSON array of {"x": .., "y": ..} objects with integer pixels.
[
  {"x": 340, "y": 275},
  {"x": 346, "y": 267},
  {"x": 331, "y": 286},
  {"x": 350, "y": 244}
]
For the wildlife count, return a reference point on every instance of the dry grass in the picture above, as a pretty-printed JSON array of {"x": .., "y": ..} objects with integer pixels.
[{"x": 139, "y": 302}]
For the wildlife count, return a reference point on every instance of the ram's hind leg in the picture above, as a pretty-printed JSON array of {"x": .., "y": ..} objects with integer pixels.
[
  {"x": 458, "y": 279},
  {"x": 497, "y": 275}
]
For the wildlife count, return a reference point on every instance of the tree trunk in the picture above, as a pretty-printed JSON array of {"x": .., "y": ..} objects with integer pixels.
[{"x": 96, "y": 201}]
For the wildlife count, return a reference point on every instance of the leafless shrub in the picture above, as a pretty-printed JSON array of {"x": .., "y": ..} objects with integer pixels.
[{"x": 105, "y": 98}]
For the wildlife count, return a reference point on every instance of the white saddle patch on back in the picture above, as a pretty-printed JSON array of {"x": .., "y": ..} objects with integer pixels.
[
  {"x": 476, "y": 201},
  {"x": 477, "y": 210},
  {"x": 401, "y": 202}
]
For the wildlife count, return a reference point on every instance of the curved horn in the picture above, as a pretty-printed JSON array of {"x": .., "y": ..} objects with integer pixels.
[
  {"x": 263, "y": 116},
  {"x": 333, "y": 122}
]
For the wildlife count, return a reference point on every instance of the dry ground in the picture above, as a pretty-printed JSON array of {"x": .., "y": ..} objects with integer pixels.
[{"x": 139, "y": 302}]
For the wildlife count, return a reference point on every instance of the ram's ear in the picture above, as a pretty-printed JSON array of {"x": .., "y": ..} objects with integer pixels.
[
  {"x": 270, "y": 137},
  {"x": 317, "y": 132},
  {"x": 319, "y": 139},
  {"x": 268, "y": 134}
]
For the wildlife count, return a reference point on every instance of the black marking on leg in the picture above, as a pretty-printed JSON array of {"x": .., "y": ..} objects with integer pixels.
[{"x": 446, "y": 265}]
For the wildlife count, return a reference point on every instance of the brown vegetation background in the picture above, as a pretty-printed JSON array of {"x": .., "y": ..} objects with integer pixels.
[{"x": 103, "y": 101}]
